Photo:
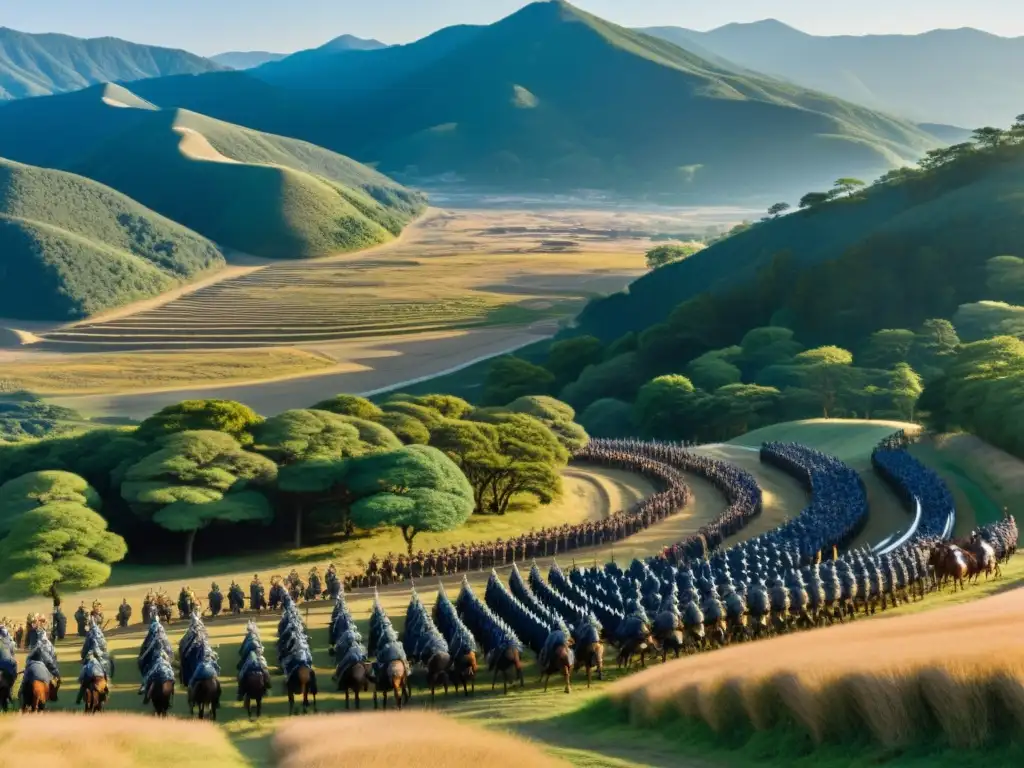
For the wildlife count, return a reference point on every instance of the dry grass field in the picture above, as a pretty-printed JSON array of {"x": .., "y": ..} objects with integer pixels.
[
  {"x": 384, "y": 740},
  {"x": 114, "y": 741}
]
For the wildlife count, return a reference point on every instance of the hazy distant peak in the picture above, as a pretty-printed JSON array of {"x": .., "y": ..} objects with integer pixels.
[{"x": 352, "y": 43}]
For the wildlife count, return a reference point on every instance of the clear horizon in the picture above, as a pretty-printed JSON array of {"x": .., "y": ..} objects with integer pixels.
[{"x": 209, "y": 28}]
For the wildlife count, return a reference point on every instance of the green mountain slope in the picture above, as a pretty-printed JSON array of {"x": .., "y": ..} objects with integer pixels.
[
  {"x": 38, "y": 65},
  {"x": 552, "y": 95},
  {"x": 955, "y": 76},
  {"x": 254, "y": 192},
  {"x": 70, "y": 247},
  {"x": 247, "y": 59},
  {"x": 854, "y": 264}
]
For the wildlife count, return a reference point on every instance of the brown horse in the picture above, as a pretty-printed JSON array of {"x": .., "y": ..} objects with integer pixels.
[
  {"x": 254, "y": 687},
  {"x": 95, "y": 692},
  {"x": 558, "y": 662},
  {"x": 950, "y": 562},
  {"x": 395, "y": 680},
  {"x": 356, "y": 679},
  {"x": 985, "y": 558},
  {"x": 591, "y": 656},
  {"x": 203, "y": 694},
  {"x": 6, "y": 685},
  {"x": 505, "y": 662},
  {"x": 462, "y": 671},
  {"x": 36, "y": 693},
  {"x": 162, "y": 696},
  {"x": 636, "y": 646},
  {"x": 437, "y": 673},
  {"x": 302, "y": 681}
]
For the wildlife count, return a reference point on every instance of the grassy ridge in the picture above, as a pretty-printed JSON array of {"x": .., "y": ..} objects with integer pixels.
[
  {"x": 70, "y": 247},
  {"x": 39, "y": 65}
]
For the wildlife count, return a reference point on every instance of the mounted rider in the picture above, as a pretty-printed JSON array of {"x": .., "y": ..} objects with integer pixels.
[
  {"x": 81, "y": 617},
  {"x": 124, "y": 613}
]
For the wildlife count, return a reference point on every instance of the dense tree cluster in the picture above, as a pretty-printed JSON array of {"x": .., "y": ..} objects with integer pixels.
[{"x": 339, "y": 466}]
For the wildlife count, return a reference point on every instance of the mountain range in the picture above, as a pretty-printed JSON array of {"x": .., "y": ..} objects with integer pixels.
[
  {"x": 953, "y": 76},
  {"x": 552, "y": 98},
  {"x": 38, "y": 65},
  {"x": 253, "y": 59},
  {"x": 246, "y": 191}
]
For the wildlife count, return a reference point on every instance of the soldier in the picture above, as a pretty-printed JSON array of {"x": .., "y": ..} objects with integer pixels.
[
  {"x": 215, "y": 598},
  {"x": 257, "y": 599},
  {"x": 60, "y": 623},
  {"x": 124, "y": 614},
  {"x": 236, "y": 598},
  {"x": 97, "y": 612},
  {"x": 81, "y": 618}
]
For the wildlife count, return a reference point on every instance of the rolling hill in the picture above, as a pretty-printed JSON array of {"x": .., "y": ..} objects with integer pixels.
[
  {"x": 954, "y": 76},
  {"x": 897, "y": 254},
  {"x": 39, "y": 65},
  {"x": 552, "y": 98},
  {"x": 249, "y": 191},
  {"x": 70, "y": 247}
]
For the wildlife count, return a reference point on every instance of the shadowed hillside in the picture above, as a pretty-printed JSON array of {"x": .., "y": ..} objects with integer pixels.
[
  {"x": 254, "y": 192},
  {"x": 70, "y": 247},
  {"x": 38, "y": 65}
]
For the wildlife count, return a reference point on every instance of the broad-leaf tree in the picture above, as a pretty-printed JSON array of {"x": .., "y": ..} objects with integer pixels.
[
  {"x": 226, "y": 416},
  {"x": 826, "y": 371},
  {"x": 666, "y": 408},
  {"x": 905, "y": 388},
  {"x": 196, "y": 478},
  {"x": 567, "y": 358},
  {"x": 510, "y": 377},
  {"x": 670, "y": 253},
  {"x": 559, "y": 417},
  {"x": 713, "y": 370},
  {"x": 416, "y": 489},
  {"x": 410, "y": 430},
  {"x": 350, "y": 405},
  {"x": 887, "y": 348},
  {"x": 36, "y": 489},
  {"x": 62, "y": 544}
]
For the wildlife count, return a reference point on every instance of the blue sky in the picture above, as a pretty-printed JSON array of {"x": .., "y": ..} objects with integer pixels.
[{"x": 212, "y": 26}]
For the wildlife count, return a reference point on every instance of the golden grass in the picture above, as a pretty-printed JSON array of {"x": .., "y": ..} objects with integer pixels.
[
  {"x": 953, "y": 676},
  {"x": 59, "y": 740},
  {"x": 384, "y": 740}
]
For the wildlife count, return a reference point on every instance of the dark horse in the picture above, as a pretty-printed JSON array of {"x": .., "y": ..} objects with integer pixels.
[
  {"x": 559, "y": 660},
  {"x": 302, "y": 681},
  {"x": 506, "y": 661},
  {"x": 161, "y": 693},
  {"x": 254, "y": 687},
  {"x": 95, "y": 693},
  {"x": 462, "y": 671},
  {"x": 203, "y": 694},
  {"x": 437, "y": 672},
  {"x": 356, "y": 679},
  {"x": 393, "y": 679},
  {"x": 6, "y": 685},
  {"x": 590, "y": 655}
]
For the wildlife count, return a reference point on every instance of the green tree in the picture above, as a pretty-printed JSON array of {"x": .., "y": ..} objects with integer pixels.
[
  {"x": 740, "y": 408},
  {"x": 777, "y": 210},
  {"x": 670, "y": 253},
  {"x": 510, "y": 377},
  {"x": 36, "y": 489},
  {"x": 409, "y": 430},
  {"x": 62, "y": 544},
  {"x": 225, "y": 416},
  {"x": 415, "y": 489},
  {"x": 990, "y": 138},
  {"x": 826, "y": 371},
  {"x": 905, "y": 389},
  {"x": 1005, "y": 279},
  {"x": 814, "y": 199},
  {"x": 619, "y": 377},
  {"x": 449, "y": 406},
  {"x": 195, "y": 478},
  {"x": 886, "y": 348},
  {"x": 350, "y": 405},
  {"x": 608, "y": 417},
  {"x": 768, "y": 345},
  {"x": 870, "y": 397},
  {"x": 846, "y": 186},
  {"x": 667, "y": 408},
  {"x": 713, "y": 370},
  {"x": 296, "y": 438},
  {"x": 557, "y": 416},
  {"x": 428, "y": 417},
  {"x": 567, "y": 358},
  {"x": 986, "y": 319},
  {"x": 935, "y": 345}
]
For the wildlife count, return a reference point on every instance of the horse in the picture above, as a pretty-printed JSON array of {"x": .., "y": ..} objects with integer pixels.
[
  {"x": 462, "y": 671},
  {"x": 36, "y": 693},
  {"x": 162, "y": 696},
  {"x": 301, "y": 681},
  {"x": 590, "y": 655},
  {"x": 635, "y": 646},
  {"x": 561, "y": 660},
  {"x": 393, "y": 679},
  {"x": 951, "y": 562},
  {"x": 985, "y": 558},
  {"x": 6, "y": 685},
  {"x": 437, "y": 672},
  {"x": 504, "y": 660},
  {"x": 253, "y": 688},
  {"x": 95, "y": 692},
  {"x": 203, "y": 694},
  {"x": 356, "y": 679}
]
